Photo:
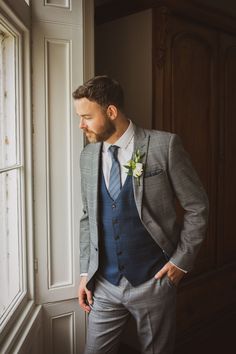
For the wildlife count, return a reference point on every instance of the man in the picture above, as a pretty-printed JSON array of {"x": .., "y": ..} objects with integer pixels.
[{"x": 132, "y": 252}]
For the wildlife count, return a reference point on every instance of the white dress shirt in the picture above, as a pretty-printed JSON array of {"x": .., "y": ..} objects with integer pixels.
[{"x": 125, "y": 151}]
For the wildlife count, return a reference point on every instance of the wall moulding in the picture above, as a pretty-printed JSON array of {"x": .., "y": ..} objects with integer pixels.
[
  {"x": 65, "y": 4},
  {"x": 59, "y": 165}
]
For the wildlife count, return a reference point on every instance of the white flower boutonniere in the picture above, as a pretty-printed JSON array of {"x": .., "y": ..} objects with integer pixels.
[{"x": 135, "y": 166}]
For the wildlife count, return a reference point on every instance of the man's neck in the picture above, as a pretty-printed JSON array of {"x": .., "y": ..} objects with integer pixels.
[{"x": 120, "y": 130}]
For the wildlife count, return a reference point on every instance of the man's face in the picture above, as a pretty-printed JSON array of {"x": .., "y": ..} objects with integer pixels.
[{"x": 95, "y": 123}]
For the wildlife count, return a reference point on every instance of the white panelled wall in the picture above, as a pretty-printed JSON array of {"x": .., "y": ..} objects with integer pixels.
[{"x": 59, "y": 54}]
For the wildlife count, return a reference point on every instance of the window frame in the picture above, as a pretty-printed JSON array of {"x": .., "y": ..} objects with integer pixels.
[{"x": 16, "y": 317}]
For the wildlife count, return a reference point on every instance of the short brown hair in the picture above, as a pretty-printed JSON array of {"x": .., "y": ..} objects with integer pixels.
[{"x": 102, "y": 90}]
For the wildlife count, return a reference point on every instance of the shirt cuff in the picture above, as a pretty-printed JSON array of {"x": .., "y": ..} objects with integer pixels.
[
  {"x": 185, "y": 271},
  {"x": 83, "y": 274}
]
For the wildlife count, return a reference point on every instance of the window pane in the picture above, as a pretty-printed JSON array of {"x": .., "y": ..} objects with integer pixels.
[
  {"x": 8, "y": 114},
  {"x": 10, "y": 262}
]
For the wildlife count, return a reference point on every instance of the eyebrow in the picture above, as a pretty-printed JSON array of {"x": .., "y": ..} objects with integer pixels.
[{"x": 85, "y": 115}]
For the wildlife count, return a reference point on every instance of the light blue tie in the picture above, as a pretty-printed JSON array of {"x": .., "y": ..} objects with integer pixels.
[{"x": 115, "y": 177}]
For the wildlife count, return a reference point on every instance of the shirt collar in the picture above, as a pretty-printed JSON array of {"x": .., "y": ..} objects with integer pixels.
[{"x": 124, "y": 140}]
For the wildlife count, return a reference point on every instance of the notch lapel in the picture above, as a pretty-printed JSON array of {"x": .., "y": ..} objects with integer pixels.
[
  {"x": 95, "y": 169},
  {"x": 141, "y": 142}
]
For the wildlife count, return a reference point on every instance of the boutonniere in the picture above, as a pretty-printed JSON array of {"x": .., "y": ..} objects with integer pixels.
[{"x": 135, "y": 166}]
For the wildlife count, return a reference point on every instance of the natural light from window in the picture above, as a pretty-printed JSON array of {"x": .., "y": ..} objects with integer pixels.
[{"x": 11, "y": 175}]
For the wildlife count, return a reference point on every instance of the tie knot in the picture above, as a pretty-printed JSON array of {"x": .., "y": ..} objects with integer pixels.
[{"x": 113, "y": 149}]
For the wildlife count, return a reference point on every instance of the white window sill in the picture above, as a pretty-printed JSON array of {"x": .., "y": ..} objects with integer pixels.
[{"x": 16, "y": 337}]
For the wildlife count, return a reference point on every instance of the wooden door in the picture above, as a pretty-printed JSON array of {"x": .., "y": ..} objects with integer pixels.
[
  {"x": 190, "y": 100},
  {"x": 227, "y": 186}
]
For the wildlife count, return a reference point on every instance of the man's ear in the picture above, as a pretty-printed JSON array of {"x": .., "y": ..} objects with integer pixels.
[{"x": 112, "y": 111}]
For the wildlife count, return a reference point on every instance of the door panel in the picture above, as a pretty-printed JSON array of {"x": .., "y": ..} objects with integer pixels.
[
  {"x": 185, "y": 78},
  {"x": 227, "y": 186}
]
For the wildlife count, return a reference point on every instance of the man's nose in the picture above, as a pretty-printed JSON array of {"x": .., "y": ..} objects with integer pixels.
[{"x": 82, "y": 124}]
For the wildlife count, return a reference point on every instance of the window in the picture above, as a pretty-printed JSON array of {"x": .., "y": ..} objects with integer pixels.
[{"x": 12, "y": 207}]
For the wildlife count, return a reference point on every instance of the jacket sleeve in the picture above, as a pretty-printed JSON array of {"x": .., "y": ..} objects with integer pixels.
[
  {"x": 193, "y": 198},
  {"x": 84, "y": 226}
]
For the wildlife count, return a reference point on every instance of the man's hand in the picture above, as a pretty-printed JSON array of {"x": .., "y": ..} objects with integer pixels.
[
  {"x": 84, "y": 295},
  {"x": 174, "y": 274}
]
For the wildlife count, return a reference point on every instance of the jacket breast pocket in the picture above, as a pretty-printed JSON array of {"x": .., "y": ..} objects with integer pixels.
[{"x": 153, "y": 172}]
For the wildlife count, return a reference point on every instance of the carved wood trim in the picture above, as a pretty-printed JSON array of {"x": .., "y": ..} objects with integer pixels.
[{"x": 162, "y": 31}]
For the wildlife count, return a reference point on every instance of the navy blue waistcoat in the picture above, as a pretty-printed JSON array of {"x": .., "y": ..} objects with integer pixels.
[{"x": 126, "y": 247}]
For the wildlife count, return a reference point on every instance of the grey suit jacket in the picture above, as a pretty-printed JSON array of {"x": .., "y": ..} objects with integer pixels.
[{"x": 168, "y": 174}]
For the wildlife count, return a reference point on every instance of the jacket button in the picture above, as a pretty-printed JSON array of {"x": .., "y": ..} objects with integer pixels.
[
  {"x": 113, "y": 206},
  {"x": 121, "y": 267},
  {"x": 117, "y": 237},
  {"x": 119, "y": 253}
]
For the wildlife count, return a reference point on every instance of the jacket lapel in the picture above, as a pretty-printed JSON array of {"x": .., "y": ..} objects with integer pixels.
[
  {"x": 95, "y": 169},
  {"x": 141, "y": 142}
]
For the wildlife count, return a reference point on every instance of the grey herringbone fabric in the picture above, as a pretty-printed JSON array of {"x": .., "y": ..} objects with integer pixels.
[
  {"x": 115, "y": 177},
  {"x": 152, "y": 305}
]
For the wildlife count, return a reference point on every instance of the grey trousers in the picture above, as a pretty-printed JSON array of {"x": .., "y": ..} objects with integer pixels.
[{"x": 152, "y": 304}]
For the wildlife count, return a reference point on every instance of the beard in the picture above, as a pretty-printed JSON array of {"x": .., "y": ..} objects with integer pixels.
[{"x": 107, "y": 131}]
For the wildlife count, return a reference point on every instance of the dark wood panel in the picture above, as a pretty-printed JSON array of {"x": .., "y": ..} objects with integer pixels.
[
  {"x": 185, "y": 102},
  {"x": 191, "y": 92},
  {"x": 192, "y": 99},
  {"x": 227, "y": 187},
  {"x": 217, "y": 337},
  {"x": 201, "y": 300}
]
